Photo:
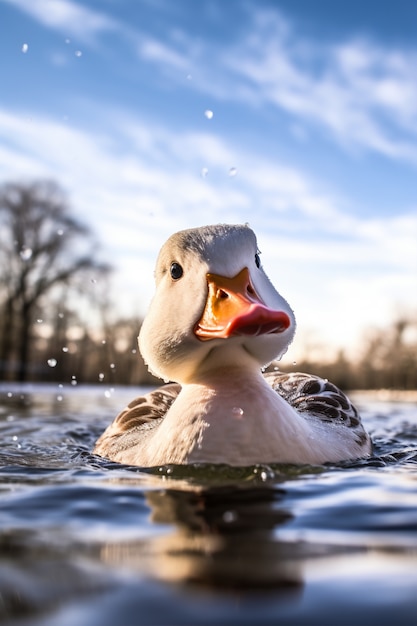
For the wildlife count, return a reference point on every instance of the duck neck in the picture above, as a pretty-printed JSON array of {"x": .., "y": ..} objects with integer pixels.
[{"x": 233, "y": 392}]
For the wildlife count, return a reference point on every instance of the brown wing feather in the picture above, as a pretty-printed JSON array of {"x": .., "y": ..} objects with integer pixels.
[
  {"x": 316, "y": 397},
  {"x": 151, "y": 406},
  {"x": 141, "y": 416}
]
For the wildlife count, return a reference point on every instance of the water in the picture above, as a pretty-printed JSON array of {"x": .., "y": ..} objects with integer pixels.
[{"x": 85, "y": 541}]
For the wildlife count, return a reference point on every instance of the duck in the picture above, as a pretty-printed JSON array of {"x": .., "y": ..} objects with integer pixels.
[{"x": 214, "y": 324}]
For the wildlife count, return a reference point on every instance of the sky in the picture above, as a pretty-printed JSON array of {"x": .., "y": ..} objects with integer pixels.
[{"x": 297, "y": 117}]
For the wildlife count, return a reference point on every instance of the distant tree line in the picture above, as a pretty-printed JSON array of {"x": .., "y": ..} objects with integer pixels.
[
  {"x": 57, "y": 323},
  {"x": 388, "y": 360}
]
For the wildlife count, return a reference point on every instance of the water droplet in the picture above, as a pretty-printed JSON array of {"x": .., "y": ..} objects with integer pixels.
[
  {"x": 60, "y": 386},
  {"x": 52, "y": 362},
  {"x": 26, "y": 254},
  {"x": 68, "y": 40},
  {"x": 25, "y": 48},
  {"x": 39, "y": 321},
  {"x": 134, "y": 351},
  {"x": 112, "y": 366},
  {"x": 209, "y": 114},
  {"x": 107, "y": 394},
  {"x": 15, "y": 438},
  {"x": 104, "y": 342},
  {"x": 233, "y": 172},
  {"x": 65, "y": 349},
  {"x": 94, "y": 280},
  {"x": 264, "y": 472},
  {"x": 73, "y": 381},
  {"x": 10, "y": 418},
  {"x": 78, "y": 53},
  {"x": 204, "y": 172},
  {"x": 101, "y": 376},
  {"x": 237, "y": 411},
  {"x": 9, "y": 394},
  {"x": 229, "y": 516},
  {"x": 60, "y": 398},
  {"x": 294, "y": 362},
  {"x": 61, "y": 316},
  {"x": 60, "y": 232}
]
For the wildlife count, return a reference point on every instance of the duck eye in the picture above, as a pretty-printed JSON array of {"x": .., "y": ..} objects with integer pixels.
[
  {"x": 257, "y": 260},
  {"x": 176, "y": 271}
]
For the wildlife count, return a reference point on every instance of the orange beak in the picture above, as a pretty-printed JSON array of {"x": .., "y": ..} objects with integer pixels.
[{"x": 234, "y": 308}]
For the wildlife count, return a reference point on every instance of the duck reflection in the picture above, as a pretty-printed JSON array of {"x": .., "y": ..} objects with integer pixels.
[{"x": 218, "y": 537}]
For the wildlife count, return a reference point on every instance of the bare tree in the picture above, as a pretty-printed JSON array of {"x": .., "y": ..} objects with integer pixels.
[{"x": 42, "y": 248}]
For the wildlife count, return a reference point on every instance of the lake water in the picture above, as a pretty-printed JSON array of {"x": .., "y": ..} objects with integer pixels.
[{"x": 88, "y": 542}]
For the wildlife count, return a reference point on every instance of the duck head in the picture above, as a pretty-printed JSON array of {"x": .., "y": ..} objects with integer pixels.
[{"x": 213, "y": 306}]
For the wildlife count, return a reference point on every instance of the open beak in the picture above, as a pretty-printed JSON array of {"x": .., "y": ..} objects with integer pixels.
[{"x": 234, "y": 308}]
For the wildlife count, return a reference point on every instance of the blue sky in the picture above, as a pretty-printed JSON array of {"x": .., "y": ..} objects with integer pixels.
[{"x": 312, "y": 139}]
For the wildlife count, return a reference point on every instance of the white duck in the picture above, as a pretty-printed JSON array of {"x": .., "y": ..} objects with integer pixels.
[{"x": 214, "y": 322}]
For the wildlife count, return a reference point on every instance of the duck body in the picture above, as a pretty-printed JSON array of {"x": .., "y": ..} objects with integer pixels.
[{"x": 214, "y": 322}]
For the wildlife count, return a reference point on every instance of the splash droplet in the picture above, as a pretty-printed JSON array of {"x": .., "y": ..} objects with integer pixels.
[
  {"x": 60, "y": 232},
  {"x": 204, "y": 172},
  {"x": 52, "y": 362},
  {"x": 209, "y": 114},
  {"x": 237, "y": 411},
  {"x": 78, "y": 53},
  {"x": 229, "y": 516},
  {"x": 60, "y": 398},
  {"x": 107, "y": 394},
  {"x": 39, "y": 321},
  {"x": 25, "y": 48},
  {"x": 112, "y": 366},
  {"x": 232, "y": 172},
  {"x": 101, "y": 376},
  {"x": 26, "y": 254}
]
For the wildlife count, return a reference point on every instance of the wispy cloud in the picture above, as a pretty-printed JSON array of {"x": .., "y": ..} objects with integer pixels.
[
  {"x": 68, "y": 17},
  {"x": 361, "y": 93}
]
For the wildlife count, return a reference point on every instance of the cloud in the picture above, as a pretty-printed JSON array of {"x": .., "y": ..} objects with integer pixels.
[
  {"x": 67, "y": 17},
  {"x": 361, "y": 93}
]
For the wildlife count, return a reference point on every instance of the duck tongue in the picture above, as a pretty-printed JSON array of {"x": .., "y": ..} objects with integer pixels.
[{"x": 234, "y": 308}]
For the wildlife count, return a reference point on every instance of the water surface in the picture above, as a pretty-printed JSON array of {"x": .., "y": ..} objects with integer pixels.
[{"x": 85, "y": 541}]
